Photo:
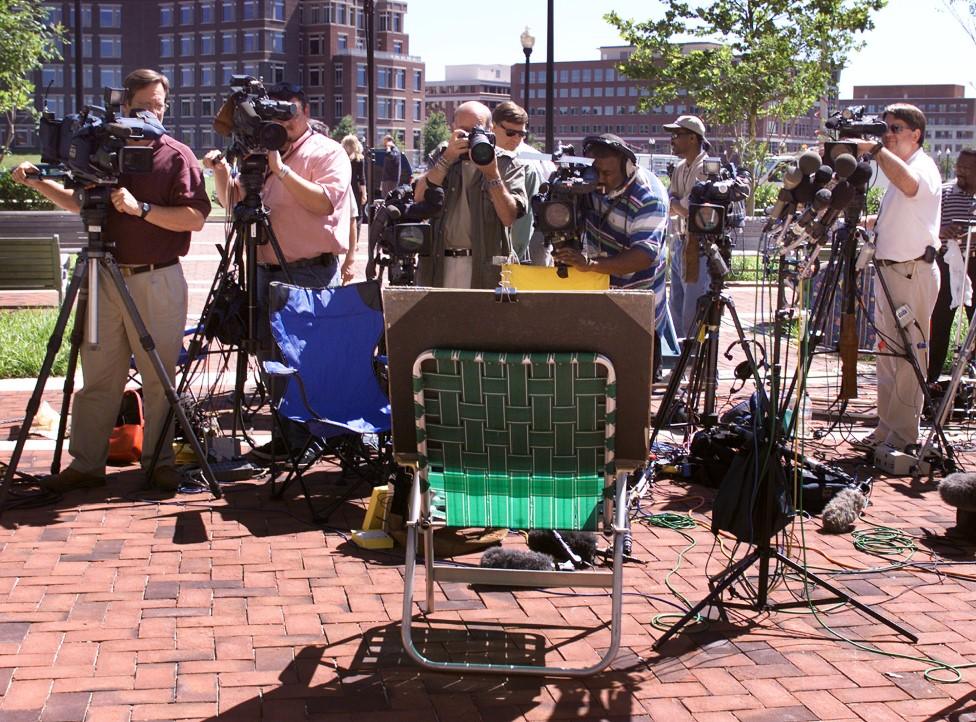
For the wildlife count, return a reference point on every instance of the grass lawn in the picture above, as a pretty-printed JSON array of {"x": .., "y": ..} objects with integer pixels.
[
  {"x": 14, "y": 159},
  {"x": 23, "y": 342}
]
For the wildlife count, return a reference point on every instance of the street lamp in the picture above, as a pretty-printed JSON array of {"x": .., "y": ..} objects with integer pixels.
[{"x": 527, "y": 42}]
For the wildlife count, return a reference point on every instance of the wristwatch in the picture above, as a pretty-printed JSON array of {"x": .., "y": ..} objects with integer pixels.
[
  {"x": 146, "y": 207},
  {"x": 876, "y": 149}
]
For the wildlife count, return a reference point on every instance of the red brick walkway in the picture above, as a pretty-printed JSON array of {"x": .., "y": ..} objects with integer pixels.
[{"x": 118, "y": 604}]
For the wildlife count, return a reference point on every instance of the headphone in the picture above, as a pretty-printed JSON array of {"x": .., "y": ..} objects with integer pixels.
[{"x": 628, "y": 159}]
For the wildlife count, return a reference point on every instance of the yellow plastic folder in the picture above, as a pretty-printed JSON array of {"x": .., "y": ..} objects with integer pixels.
[{"x": 524, "y": 277}]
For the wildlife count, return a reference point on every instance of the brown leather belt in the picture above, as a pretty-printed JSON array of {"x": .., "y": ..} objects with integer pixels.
[
  {"x": 889, "y": 262},
  {"x": 133, "y": 270},
  {"x": 457, "y": 252},
  {"x": 324, "y": 259}
]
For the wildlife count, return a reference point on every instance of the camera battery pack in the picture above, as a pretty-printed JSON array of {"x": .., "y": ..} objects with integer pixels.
[{"x": 898, "y": 463}]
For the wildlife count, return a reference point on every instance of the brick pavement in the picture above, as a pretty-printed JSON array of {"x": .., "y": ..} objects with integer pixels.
[{"x": 119, "y": 604}]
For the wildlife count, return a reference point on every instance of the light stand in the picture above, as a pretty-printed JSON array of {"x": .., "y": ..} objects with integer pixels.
[
  {"x": 527, "y": 42},
  {"x": 96, "y": 256}
]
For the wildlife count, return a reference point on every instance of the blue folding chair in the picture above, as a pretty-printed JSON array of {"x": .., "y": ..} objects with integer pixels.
[{"x": 327, "y": 339}]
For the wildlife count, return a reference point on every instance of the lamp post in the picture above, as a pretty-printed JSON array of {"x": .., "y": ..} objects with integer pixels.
[
  {"x": 527, "y": 42},
  {"x": 550, "y": 120}
]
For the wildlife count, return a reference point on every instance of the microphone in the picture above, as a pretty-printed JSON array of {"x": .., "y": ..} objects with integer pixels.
[
  {"x": 792, "y": 178},
  {"x": 804, "y": 192},
  {"x": 823, "y": 176},
  {"x": 784, "y": 207},
  {"x": 842, "y": 512},
  {"x": 501, "y": 558},
  {"x": 821, "y": 200},
  {"x": 841, "y": 197},
  {"x": 861, "y": 175},
  {"x": 809, "y": 162},
  {"x": 844, "y": 165}
]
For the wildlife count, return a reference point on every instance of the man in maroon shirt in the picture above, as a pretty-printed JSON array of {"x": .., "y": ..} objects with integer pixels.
[{"x": 150, "y": 222}]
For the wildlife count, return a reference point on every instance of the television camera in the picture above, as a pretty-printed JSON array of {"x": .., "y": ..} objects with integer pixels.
[
  {"x": 711, "y": 213},
  {"x": 92, "y": 147},
  {"x": 400, "y": 232},
  {"x": 248, "y": 118},
  {"x": 850, "y": 123},
  {"x": 557, "y": 207}
]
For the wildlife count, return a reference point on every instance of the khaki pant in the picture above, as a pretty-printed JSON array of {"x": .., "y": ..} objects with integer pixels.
[
  {"x": 161, "y": 298},
  {"x": 900, "y": 398}
]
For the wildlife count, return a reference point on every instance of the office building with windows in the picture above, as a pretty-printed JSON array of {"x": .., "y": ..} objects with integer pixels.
[
  {"x": 200, "y": 44},
  {"x": 488, "y": 84}
]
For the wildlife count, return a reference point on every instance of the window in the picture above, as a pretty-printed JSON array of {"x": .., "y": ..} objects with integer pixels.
[
  {"x": 186, "y": 14},
  {"x": 207, "y": 12},
  {"x": 86, "y": 47},
  {"x": 110, "y": 76},
  {"x": 228, "y": 10},
  {"x": 276, "y": 41},
  {"x": 227, "y": 69},
  {"x": 398, "y": 47},
  {"x": 207, "y": 76},
  {"x": 315, "y": 107},
  {"x": 587, "y": 75},
  {"x": 598, "y": 75},
  {"x": 315, "y": 45},
  {"x": 563, "y": 76},
  {"x": 277, "y": 73},
  {"x": 338, "y": 106},
  {"x": 186, "y": 107},
  {"x": 401, "y": 79},
  {"x": 166, "y": 46},
  {"x": 228, "y": 42},
  {"x": 207, "y": 44},
  {"x": 337, "y": 74},
  {"x": 252, "y": 69},
  {"x": 207, "y": 138},
  {"x": 361, "y": 106},
  {"x": 564, "y": 92},
  {"x": 316, "y": 77},
  {"x": 187, "y": 76},
  {"x": 401, "y": 108},
  {"x": 189, "y": 136},
  {"x": 186, "y": 45},
  {"x": 575, "y": 75},
  {"x": 383, "y": 77},
  {"x": 110, "y": 16},
  {"x": 418, "y": 80},
  {"x": 417, "y": 110},
  {"x": 250, "y": 11},
  {"x": 343, "y": 41},
  {"x": 52, "y": 75},
  {"x": 611, "y": 74},
  {"x": 574, "y": 92},
  {"x": 360, "y": 75},
  {"x": 276, "y": 9},
  {"x": 340, "y": 14},
  {"x": 206, "y": 107},
  {"x": 252, "y": 41},
  {"x": 109, "y": 46}
]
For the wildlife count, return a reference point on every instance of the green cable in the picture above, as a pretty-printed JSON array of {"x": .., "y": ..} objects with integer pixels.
[{"x": 678, "y": 523}]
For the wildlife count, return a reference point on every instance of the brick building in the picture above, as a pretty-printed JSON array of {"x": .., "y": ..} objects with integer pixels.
[
  {"x": 488, "y": 84},
  {"x": 200, "y": 44}
]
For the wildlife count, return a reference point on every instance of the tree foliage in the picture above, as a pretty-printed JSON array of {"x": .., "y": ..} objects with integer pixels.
[
  {"x": 436, "y": 131},
  {"x": 27, "y": 40},
  {"x": 345, "y": 126},
  {"x": 742, "y": 61}
]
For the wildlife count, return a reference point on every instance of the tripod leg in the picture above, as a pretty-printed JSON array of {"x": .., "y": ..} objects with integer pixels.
[
  {"x": 147, "y": 343},
  {"x": 53, "y": 346},
  {"x": 77, "y": 338}
]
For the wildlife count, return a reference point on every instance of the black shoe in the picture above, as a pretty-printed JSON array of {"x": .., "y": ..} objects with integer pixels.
[{"x": 277, "y": 448}]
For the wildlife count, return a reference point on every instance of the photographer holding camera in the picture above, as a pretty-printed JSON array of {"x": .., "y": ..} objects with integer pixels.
[
  {"x": 626, "y": 219},
  {"x": 150, "y": 222},
  {"x": 307, "y": 192},
  {"x": 689, "y": 280},
  {"x": 484, "y": 192},
  {"x": 906, "y": 237}
]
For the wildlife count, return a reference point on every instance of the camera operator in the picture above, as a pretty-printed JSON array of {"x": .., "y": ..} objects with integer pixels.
[
  {"x": 958, "y": 212},
  {"x": 689, "y": 279},
  {"x": 626, "y": 218},
  {"x": 307, "y": 192},
  {"x": 391, "y": 166},
  {"x": 481, "y": 202},
  {"x": 907, "y": 235},
  {"x": 150, "y": 222}
]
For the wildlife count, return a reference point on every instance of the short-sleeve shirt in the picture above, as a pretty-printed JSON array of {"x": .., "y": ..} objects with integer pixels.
[
  {"x": 176, "y": 180},
  {"x": 637, "y": 218},
  {"x": 301, "y": 233},
  {"x": 907, "y": 226}
]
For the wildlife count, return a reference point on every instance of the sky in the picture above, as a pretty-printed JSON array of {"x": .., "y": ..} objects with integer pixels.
[{"x": 940, "y": 51}]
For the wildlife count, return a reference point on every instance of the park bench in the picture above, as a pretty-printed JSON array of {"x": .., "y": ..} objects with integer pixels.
[{"x": 31, "y": 264}]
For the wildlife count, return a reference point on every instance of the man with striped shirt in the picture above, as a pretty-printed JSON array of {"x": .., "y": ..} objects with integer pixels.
[
  {"x": 626, "y": 219},
  {"x": 958, "y": 210}
]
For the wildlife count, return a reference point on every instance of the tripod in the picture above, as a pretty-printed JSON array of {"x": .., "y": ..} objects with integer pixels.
[
  {"x": 251, "y": 228},
  {"x": 770, "y": 475},
  {"x": 96, "y": 256},
  {"x": 701, "y": 350}
]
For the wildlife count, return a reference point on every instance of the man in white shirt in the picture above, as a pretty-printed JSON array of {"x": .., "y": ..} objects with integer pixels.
[{"x": 907, "y": 236}]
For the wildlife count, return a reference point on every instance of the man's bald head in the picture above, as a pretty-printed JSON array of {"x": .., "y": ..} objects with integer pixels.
[{"x": 470, "y": 114}]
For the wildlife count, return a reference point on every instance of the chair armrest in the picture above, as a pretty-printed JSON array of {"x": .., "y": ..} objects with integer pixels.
[{"x": 276, "y": 368}]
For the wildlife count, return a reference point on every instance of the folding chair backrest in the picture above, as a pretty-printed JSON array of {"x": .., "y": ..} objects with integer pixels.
[
  {"x": 523, "y": 441},
  {"x": 329, "y": 337}
]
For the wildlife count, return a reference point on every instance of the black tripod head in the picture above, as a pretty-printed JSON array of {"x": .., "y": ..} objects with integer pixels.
[
  {"x": 253, "y": 172},
  {"x": 95, "y": 203}
]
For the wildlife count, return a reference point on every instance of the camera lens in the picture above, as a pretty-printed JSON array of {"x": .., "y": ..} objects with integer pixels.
[
  {"x": 558, "y": 216},
  {"x": 272, "y": 136},
  {"x": 482, "y": 151}
]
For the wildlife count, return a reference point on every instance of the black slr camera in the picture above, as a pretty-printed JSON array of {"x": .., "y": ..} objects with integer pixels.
[
  {"x": 712, "y": 212},
  {"x": 92, "y": 146},
  {"x": 558, "y": 206},
  {"x": 247, "y": 118},
  {"x": 399, "y": 232},
  {"x": 481, "y": 146}
]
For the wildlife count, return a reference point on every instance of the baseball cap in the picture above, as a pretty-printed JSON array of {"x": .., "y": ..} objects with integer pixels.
[{"x": 692, "y": 123}]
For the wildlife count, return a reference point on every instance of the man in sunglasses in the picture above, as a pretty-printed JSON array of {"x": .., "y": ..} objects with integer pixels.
[
  {"x": 150, "y": 221},
  {"x": 308, "y": 194},
  {"x": 906, "y": 237},
  {"x": 689, "y": 277},
  {"x": 511, "y": 123},
  {"x": 481, "y": 202}
]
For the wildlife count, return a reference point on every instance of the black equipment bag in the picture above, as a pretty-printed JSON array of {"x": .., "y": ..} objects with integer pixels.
[{"x": 737, "y": 506}]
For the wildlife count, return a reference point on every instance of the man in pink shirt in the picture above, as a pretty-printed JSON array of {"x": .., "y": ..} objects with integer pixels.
[{"x": 307, "y": 194}]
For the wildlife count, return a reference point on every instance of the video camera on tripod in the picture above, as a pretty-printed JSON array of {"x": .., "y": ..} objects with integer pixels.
[
  {"x": 92, "y": 147},
  {"x": 557, "y": 207},
  {"x": 712, "y": 213},
  {"x": 248, "y": 118},
  {"x": 399, "y": 232}
]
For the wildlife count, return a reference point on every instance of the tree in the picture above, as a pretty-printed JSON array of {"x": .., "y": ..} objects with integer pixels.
[
  {"x": 436, "y": 131},
  {"x": 770, "y": 59},
  {"x": 27, "y": 39},
  {"x": 346, "y": 126},
  {"x": 964, "y": 12}
]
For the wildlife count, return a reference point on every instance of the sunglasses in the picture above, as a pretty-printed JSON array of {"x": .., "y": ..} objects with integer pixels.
[
  {"x": 896, "y": 128},
  {"x": 512, "y": 133},
  {"x": 681, "y": 133}
]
